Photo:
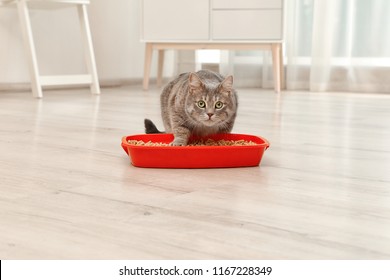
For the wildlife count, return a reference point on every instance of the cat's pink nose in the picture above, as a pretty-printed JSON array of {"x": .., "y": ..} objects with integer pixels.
[{"x": 210, "y": 115}]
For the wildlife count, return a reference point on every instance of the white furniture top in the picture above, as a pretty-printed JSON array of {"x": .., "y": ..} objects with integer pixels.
[
  {"x": 47, "y": 4},
  {"x": 217, "y": 21}
]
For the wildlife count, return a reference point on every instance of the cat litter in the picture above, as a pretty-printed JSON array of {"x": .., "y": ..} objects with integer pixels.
[
  {"x": 234, "y": 150},
  {"x": 208, "y": 142}
]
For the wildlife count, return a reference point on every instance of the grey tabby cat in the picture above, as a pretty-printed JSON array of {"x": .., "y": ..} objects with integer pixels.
[{"x": 201, "y": 103}]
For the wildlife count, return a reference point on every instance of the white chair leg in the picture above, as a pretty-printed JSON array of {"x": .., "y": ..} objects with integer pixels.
[
  {"x": 30, "y": 47},
  {"x": 88, "y": 48}
]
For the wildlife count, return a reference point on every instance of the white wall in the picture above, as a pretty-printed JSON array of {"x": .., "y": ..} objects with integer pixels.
[{"x": 115, "y": 26}]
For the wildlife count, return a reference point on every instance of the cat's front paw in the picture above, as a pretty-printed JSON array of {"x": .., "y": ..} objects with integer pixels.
[{"x": 178, "y": 142}]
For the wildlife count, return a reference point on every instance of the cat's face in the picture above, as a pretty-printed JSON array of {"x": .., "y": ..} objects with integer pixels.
[{"x": 211, "y": 104}]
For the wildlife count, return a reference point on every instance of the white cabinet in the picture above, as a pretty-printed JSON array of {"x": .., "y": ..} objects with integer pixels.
[
  {"x": 246, "y": 20},
  {"x": 211, "y": 20},
  {"x": 175, "y": 20},
  {"x": 247, "y": 4},
  {"x": 247, "y": 25},
  {"x": 212, "y": 24}
]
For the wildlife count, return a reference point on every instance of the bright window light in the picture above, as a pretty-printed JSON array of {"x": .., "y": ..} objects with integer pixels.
[{"x": 208, "y": 56}]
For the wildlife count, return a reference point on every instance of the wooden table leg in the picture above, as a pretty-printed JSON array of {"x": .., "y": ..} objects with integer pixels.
[
  {"x": 160, "y": 67},
  {"x": 276, "y": 65},
  {"x": 282, "y": 81},
  {"x": 148, "y": 64}
]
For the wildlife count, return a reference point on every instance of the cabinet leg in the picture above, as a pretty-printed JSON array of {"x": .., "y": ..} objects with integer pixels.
[
  {"x": 160, "y": 67},
  {"x": 282, "y": 81},
  {"x": 276, "y": 66},
  {"x": 148, "y": 64}
]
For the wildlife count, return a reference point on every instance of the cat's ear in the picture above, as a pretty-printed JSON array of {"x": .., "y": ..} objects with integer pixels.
[
  {"x": 195, "y": 82},
  {"x": 227, "y": 84}
]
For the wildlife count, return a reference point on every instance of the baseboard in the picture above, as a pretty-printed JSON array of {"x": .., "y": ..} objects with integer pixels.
[{"x": 13, "y": 87}]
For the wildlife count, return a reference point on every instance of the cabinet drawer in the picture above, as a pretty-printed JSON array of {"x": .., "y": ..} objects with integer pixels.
[
  {"x": 247, "y": 24},
  {"x": 247, "y": 4},
  {"x": 175, "y": 20}
]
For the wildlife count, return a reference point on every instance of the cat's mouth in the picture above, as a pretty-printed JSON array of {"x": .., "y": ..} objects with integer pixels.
[{"x": 209, "y": 122}]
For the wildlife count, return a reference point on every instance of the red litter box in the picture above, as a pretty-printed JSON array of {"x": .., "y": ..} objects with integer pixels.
[{"x": 194, "y": 156}]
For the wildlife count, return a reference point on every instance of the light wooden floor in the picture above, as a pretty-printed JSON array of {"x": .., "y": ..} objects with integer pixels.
[{"x": 68, "y": 190}]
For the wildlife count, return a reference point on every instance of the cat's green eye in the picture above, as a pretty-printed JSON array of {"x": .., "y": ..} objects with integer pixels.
[
  {"x": 218, "y": 105},
  {"x": 201, "y": 104}
]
